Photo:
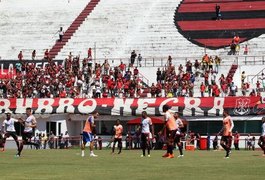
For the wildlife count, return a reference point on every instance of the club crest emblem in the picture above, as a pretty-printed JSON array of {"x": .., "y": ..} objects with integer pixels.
[{"x": 242, "y": 107}]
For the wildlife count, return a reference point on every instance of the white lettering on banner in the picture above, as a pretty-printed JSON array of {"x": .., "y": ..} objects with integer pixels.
[
  {"x": 173, "y": 108},
  {"x": 45, "y": 106},
  {"x": 192, "y": 103},
  {"x": 2, "y": 70},
  {"x": 82, "y": 108},
  {"x": 143, "y": 106},
  {"x": 10, "y": 68},
  {"x": 22, "y": 104},
  {"x": 4, "y": 105},
  {"x": 66, "y": 103},
  {"x": 119, "y": 103},
  {"x": 217, "y": 105},
  {"x": 38, "y": 64}
]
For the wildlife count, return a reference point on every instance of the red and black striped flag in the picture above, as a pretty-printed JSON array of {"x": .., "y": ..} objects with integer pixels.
[{"x": 197, "y": 21}]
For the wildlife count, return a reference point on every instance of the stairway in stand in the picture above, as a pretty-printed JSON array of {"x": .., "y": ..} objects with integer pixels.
[
  {"x": 73, "y": 28},
  {"x": 232, "y": 71}
]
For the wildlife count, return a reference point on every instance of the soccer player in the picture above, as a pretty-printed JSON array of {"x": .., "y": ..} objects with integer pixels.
[
  {"x": 118, "y": 129},
  {"x": 171, "y": 127},
  {"x": 9, "y": 129},
  {"x": 146, "y": 134},
  {"x": 88, "y": 134},
  {"x": 29, "y": 124},
  {"x": 261, "y": 142},
  {"x": 179, "y": 135},
  {"x": 226, "y": 140}
]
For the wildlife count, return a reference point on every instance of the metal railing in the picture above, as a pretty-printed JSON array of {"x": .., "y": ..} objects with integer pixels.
[{"x": 162, "y": 61}]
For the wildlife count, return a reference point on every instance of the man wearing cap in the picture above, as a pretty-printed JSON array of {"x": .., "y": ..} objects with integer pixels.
[{"x": 8, "y": 128}]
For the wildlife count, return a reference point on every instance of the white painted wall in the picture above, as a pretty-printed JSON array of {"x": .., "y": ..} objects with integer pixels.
[
  {"x": 116, "y": 26},
  {"x": 32, "y": 24}
]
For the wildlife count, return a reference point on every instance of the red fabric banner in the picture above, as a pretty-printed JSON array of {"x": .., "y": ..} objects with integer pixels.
[{"x": 187, "y": 106}]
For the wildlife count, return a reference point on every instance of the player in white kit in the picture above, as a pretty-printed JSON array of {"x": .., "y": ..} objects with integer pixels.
[
  {"x": 179, "y": 134},
  {"x": 29, "y": 124},
  {"x": 146, "y": 133},
  {"x": 8, "y": 129}
]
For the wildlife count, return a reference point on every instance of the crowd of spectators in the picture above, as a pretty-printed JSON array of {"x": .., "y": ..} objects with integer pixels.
[
  {"x": 175, "y": 82},
  {"x": 86, "y": 79},
  {"x": 73, "y": 78}
]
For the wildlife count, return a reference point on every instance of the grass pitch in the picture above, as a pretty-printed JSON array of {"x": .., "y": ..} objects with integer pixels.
[{"x": 68, "y": 164}]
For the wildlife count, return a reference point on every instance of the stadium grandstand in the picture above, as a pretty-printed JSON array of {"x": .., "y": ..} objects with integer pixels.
[{"x": 67, "y": 58}]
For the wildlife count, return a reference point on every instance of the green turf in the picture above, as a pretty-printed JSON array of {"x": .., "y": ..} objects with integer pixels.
[{"x": 68, "y": 164}]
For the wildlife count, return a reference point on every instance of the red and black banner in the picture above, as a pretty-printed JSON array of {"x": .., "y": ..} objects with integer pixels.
[
  {"x": 8, "y": 67},
  {"x": 196, "y": 21},
  {"x": 212, "y": 106}
]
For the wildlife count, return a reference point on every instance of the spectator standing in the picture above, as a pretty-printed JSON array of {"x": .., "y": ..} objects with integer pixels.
[
  {"x": 236, "y": 140},
  {"x": 202, "y": 89},
  {"x": 248, "y": 140},
  {"x": 215, "y": 143},
  {"x": 44, "y": 140},
  {"x": 197, "y": 64},
  {"x": 100, "y": 143},
  {"x": 236, "y": 39},
  {"x": 262, "y": 78},
  {"x": 89, "y": 53},
  {"x": 158, "y": 75},
  {"x": 122, "y": 67},
  {"x": 243, "y": 77},
  {"x": 51, "y": 140},
  {"x": 33, "y": 54},
  {"x": 140, "y": 58},
  {"x": 66, "y": 139},
  {"x": 20, "y": 56},
  {"x": 246, "y": 50},
  {"x": 218, "y": 12},
  {"x": 253, "y": 142},
  {"x": 198, "y": 139},
  {"x": 208, "y": 142},
  {"x": 61, "y": 34},
  {"x": 133, "y": 56},
  {"x": 46, "y": 54},
  {"x": 217, "y": 61},
  {"x": 233, "y": 89},
  {"x": 106, "y": 67},
  {"x": 3, "y": 90}
]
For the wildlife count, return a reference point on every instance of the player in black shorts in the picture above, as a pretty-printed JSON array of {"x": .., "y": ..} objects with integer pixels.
[
  {"x": 8, "y": 128},
  {"x": 179, "y": 134}
]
